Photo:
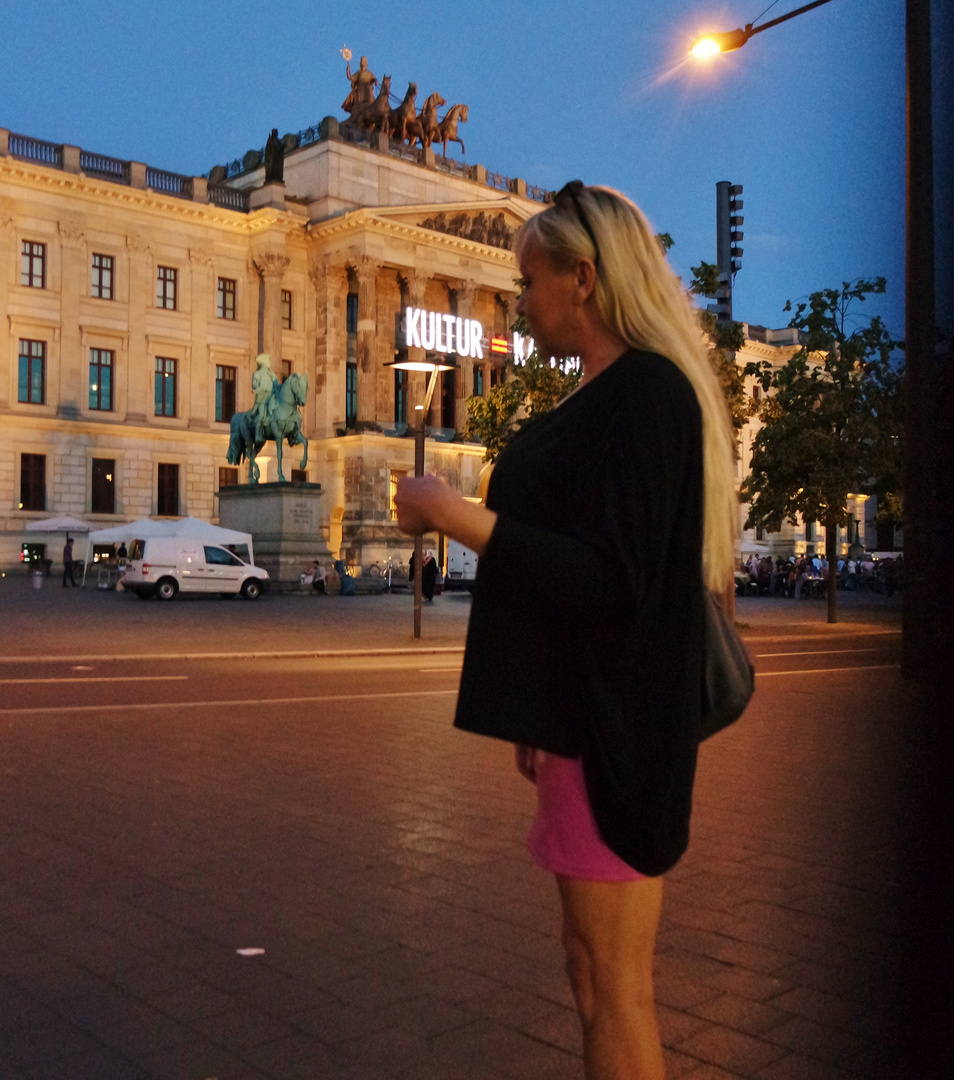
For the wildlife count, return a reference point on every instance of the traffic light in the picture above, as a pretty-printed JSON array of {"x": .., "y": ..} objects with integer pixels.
[
  {"x": 728, "y": 241},
  {"x": 735, "y": 226}
]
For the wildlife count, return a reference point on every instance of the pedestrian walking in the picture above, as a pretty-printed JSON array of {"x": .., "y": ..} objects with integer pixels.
[
  {"x": 68, "y": 562},
  {"x": 630, "y": 482}
]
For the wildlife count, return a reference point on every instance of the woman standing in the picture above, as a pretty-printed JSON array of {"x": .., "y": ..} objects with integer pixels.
[{"x": 628, "y": 484}]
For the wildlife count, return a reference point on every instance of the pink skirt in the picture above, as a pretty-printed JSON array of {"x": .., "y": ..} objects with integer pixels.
[{"x": 564, "y": 838}]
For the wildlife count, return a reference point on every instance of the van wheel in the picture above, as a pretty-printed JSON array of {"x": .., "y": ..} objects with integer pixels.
[
  {"x": 167, "y": 588},
  {"x": 251, "y": 589}
]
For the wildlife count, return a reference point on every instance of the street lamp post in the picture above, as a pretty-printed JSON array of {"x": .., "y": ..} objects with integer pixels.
[
  {"x": 921, "y": 633},
  {"x": 433, "y": 368}
]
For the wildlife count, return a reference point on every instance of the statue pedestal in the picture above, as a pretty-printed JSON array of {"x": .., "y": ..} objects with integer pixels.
[{"x": 284, "y": 522}]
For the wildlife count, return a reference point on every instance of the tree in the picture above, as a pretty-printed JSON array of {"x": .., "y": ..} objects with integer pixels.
[
  {"x": 829, "y": 425},
  {"x": 529, "y": 391},
  {"x": 726, "y": 339}
]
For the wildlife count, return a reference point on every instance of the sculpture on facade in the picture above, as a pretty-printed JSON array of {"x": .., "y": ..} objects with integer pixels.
[
  {"x": 401, "y": 123},
  {"x": 362, "y": 82},
  {"x": 377, "y": 115},
  {"x": 449, "y": 126},
  {"x": 404, "y": 114},
  {"x": 426, "y": 128},
  {"x": 274, "y": 416},
  {"x": 274, "y": 158}
]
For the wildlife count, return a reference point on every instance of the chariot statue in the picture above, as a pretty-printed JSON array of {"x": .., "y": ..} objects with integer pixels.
[{"x": 275, "y": 416}]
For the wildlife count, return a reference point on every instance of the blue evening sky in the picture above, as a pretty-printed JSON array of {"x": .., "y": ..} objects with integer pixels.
[{"x": 808, "y": 117}]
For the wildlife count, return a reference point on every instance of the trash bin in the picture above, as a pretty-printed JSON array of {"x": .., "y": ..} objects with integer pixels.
[{"x": 37, "y": 576}]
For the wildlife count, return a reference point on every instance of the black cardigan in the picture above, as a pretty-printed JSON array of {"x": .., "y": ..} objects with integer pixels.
[{"x": 585, "y": 635}]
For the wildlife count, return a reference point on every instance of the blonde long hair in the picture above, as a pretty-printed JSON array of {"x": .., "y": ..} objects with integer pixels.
[{"x": 643, "y": 303}]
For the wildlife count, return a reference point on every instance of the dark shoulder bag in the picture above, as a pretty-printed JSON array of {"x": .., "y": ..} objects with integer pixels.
[{"x": 729, "y": 674}]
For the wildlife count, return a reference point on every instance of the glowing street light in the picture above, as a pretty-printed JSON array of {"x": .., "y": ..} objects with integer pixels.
[{"x": 712, "y": 44}]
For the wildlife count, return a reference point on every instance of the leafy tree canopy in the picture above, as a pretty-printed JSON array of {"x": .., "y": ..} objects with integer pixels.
[{"x": 833, "y": 424}]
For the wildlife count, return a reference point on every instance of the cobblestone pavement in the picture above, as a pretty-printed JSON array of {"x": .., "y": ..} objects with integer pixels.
[{"x": 377, "y": 858}]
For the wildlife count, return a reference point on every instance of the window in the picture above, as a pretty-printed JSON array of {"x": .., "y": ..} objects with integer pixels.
[
  {"x": 286, "y": 310},
  {"x": 478, "y": 381},
  {"x": 33, "y": 265},
  {"x": 227, "y": 476},
  {"x": 448, "y": 394},
  {"x": 351, "y": 313},
  {"x": 31, "y": 381},
  {"x": 400, "y": 396},
  {"x": 32, "y": 481},
  {"x": 809, "y": 530},
  {"x": 286, "y": 369},
  {"x": 351, "y": 394},
  {"x": 300, "y": 474},
  {"x": 394, "y": 478},
  {"x": 103, "y": 500},
  {"x": 226, "y": 298},
  {"x": 167, "y": 280},
  {"x": 101, "y": 381},
  {"x": 165, "y": 386},
  {"x": 224, "y": 393},
  {"x": 167, "y": 490},
  {"x": 101, "y": 285}
]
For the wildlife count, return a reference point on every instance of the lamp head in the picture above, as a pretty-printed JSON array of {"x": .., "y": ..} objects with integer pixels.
[{"x": 711, "y": 44}]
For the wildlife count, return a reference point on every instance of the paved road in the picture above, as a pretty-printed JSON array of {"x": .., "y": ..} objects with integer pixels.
[{"x": 150, "y": 829}]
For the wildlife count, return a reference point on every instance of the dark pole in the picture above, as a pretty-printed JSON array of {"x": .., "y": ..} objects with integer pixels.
[
  {"x": 919, "y": 626},
  {"x": 419, "y": 434}
]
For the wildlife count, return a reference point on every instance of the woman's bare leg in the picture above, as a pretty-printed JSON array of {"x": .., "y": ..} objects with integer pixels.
[{"x": 609, "y": 934}]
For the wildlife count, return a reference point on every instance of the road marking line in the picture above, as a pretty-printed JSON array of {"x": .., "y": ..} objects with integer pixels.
[
  {"x": 96, "y": 678},
  {"x": 826, "y": 670},
  {"x": 132, "y": 705},
  {"x": 815, "y": 652}
]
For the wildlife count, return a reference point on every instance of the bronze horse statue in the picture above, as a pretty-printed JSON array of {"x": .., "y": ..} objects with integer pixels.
[
  {"x": 448, "y": 127},
  {"x": 377, "y": 115},
  {"x": 400, "y": 117},
  {"x": 426, "y": 128},
  {"x": 282, "y": 423}
]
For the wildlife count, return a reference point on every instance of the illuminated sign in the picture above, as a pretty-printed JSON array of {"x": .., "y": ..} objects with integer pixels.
[
  {"x": 523, "y": 349},
  {"x": 499, "y": 345},
  {"x": 443, "y": 333}
]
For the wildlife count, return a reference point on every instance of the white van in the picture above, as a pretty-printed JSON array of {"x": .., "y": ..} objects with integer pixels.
[
  {"x": 461, "y": 567},
  {"x": 162, "y": 565}
]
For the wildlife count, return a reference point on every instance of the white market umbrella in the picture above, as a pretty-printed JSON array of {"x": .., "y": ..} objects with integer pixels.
[{"x": 64, "y": 523}]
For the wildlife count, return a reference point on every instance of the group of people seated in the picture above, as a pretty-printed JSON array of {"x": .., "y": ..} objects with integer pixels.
[{"x": 808, "y": 575}]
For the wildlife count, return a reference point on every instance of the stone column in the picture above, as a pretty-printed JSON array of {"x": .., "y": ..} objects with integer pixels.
[
  {"x": 271, "y": 266},
  {"x": 8, "y": 238},
  {"x": 195, "y": 386},
  {"x": 417, "y": 381},
  {"x": 328, "y": 393},
  {"x": 366, "y": 275},
  {"x": 67, "y": 382},
  {"x": 140, "y": 378},
  {"x": 464, "y": 377}
]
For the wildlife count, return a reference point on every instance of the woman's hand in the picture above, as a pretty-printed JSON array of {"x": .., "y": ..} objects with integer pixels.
[
  {"x": 418, "y": 501},
  {"x": 426, "y": 504},
  {"x": 526, "y": 758}
]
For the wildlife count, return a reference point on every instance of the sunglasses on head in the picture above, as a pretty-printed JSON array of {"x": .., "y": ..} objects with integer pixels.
[{"x": 571, "y": 193}]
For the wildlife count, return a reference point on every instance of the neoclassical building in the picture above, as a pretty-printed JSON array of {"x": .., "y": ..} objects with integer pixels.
[{"x": 135, "y": 302}]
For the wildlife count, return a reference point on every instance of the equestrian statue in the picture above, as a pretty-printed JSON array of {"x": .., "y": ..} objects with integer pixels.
[{"x": 274, "y": 416}]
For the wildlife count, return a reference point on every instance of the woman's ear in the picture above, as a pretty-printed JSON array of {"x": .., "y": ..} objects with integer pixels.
[{"x": 585, "y": 278}]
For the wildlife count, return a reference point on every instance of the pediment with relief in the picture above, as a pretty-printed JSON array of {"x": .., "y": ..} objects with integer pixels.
[{"x": 492, "y": 223}]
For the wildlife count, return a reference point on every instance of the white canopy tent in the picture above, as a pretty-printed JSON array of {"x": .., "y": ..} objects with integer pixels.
[{"x": 189, "y": 528}]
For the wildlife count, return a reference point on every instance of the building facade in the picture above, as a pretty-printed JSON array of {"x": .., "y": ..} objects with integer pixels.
[{"x": 136, "y": 301}]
